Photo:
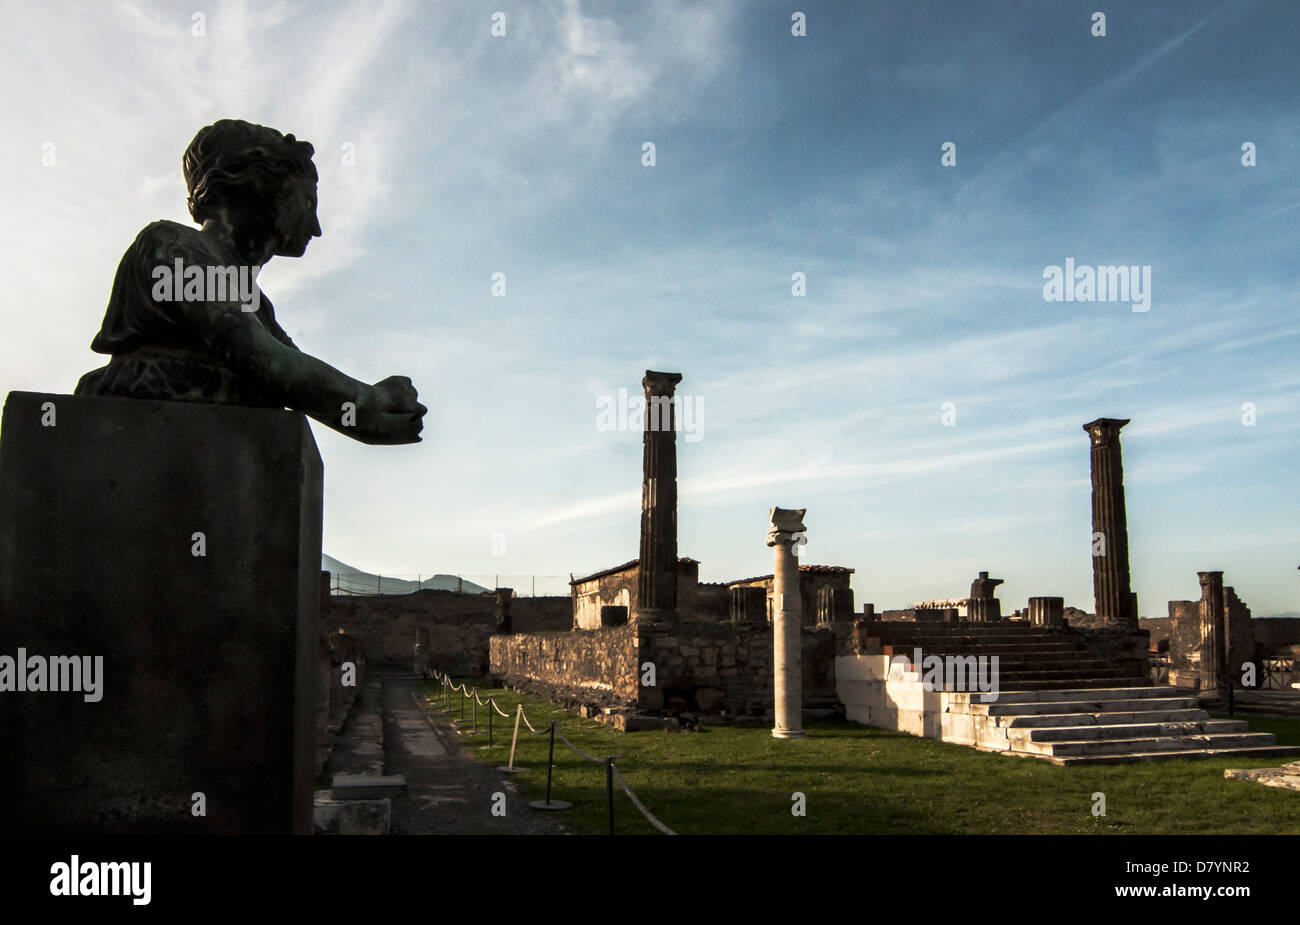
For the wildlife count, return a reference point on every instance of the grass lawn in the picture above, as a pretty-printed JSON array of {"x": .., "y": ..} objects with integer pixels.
[{"x": 857, "y": 780}]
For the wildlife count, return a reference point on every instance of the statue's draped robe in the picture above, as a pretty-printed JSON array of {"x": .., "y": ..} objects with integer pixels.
[{"x": 178, "y": 350}]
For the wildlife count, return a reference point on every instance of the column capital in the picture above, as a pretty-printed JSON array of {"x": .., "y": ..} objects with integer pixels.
[
  {"x": 1207, "y": 578},
  {"x": 1105, "y": 431},
  {"x": 785, "y": 523},
  {"x": 660, "y": 383}
]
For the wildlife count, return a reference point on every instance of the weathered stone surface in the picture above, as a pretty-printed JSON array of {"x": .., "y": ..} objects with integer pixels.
[
  {"x": 1046, "y": 611},
  {"x": 367, "y": 786},
  {"x": 209, "y": 660},
  {"x": 1115, "y": 601},
  {"x": 350, "y": 817},
  {"x": 1213, "y": 650},
  {"x": 1286, "y": 776},
  {"x": 656, "y": 577}
]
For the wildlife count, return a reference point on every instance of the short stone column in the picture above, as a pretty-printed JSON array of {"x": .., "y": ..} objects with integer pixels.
[
  {"x": 982, "y": 606},
  {"x": 1213, "y": 649},
  {"x": 748, "y": 605},
  {"x": 834, "y": 605},
  {"x": 869, "y": 612},
  {"x": 501, "y": 608},
  {"x": 1046, "y": 611},
  {"x": 787, "y": 619}
]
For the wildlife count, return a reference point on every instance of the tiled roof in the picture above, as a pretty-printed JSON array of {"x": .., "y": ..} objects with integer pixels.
[
  {"x": 811, "y": 569},
  {"x": 681, "y": 560}
]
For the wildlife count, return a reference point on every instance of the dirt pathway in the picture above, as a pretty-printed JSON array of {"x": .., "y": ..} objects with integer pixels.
[{"x": 448, "y": 792}]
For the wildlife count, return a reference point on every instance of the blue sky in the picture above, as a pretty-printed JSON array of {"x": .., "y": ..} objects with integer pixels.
[{"x": 775, "y": 154}]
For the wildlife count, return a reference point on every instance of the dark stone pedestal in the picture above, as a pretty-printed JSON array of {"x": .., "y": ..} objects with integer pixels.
[{"x": 209, "y": 661}]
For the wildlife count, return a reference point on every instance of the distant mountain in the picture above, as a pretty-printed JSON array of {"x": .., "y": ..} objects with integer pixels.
[
  {"x": 1290, "y": 614},
  {"x": 346, "y": 579}
]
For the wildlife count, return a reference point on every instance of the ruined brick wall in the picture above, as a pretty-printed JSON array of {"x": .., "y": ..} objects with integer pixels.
[
  {"x": 1185, "y": 637},
  {"x": 1276, "y": 633},
  {"x": 713, "y": 603},
  {"x": 1241, "y": 633},
  {"x": 619, "y": 589},
  {"x": 810, "y": 583},
  {"x": 459, "y": 626},
  {"x": 596, "y": 667},
  {"x": 1160, "y": 629}
]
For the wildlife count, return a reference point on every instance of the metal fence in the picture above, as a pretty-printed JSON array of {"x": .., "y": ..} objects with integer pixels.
[{"x": 363, "y": 583}]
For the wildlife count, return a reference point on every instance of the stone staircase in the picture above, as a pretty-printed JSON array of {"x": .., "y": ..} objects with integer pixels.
[
  {"x": 1108, "y": 725},
  {"x": 1029, "y": 657},
  {"x": 1062, "y": 701}
]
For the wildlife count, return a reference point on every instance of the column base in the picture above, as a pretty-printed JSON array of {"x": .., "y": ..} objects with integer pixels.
[{"x": 788, "y": 734}]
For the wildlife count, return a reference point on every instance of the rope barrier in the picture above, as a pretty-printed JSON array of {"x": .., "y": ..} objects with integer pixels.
[
  {"x": 612, "y": 772},
  {"x": 565, "y": 740},
  {"x": 650, "y": 817}
]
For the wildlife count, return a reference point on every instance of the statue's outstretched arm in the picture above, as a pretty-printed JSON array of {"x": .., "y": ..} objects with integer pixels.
[{"x": 387, "y": 412}]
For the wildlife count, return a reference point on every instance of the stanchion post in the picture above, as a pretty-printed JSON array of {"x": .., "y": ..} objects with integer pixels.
[
  {"x": 514, "y": 740},
  {"x": 491, "y": 710},
  {"x": 550, "y": 763},
  {"x": 609, "y": 792},
  {"x": 474, "y": 710}
]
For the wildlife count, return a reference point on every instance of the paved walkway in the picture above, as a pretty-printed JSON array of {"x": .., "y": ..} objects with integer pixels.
[{"x": 448, "y": 792}]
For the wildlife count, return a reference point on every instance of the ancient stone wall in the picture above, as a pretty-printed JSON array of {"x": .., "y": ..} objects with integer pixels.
[
  {"x": 713, "y": 603},
  {"x": 459, "y": 626},
  {"x": 705, "y": 666},
  {"x": 590, "y": 667},
  {"x": 619, "y": 588}
]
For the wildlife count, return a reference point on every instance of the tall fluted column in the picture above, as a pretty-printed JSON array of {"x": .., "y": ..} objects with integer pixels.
[
  {"x": 657, "y": 574},
  {"x": 787, "y": 619},
  {"x": 1113, "y": 597},
  {"x": 1214, "y": 641}
]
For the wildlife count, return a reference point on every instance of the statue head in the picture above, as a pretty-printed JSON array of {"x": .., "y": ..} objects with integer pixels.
[{"x": 256, "y": 184}]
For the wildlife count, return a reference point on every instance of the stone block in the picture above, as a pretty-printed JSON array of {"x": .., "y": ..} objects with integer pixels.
[
  {"x": 180, "y": 543},
  {"x": 367, "y": 786}
]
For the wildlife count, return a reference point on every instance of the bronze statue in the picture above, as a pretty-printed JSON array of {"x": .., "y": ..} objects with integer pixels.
[{"x": 186, "y": 320}]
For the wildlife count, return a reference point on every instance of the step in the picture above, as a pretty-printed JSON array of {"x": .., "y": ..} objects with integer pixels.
[
  {"x": 1001, "y": 708},
  {"x": 1093, "y": 668},
  {"x": 1081, "y": 685},
  {"x": 1105, "y": 719},
  {"x": 1119, "y": 692},
  {"x": 946, "y": 648},
  {"x": 1106, "y": 731},
  {"x": 1166, "y": 755},
  {"x": 1148, "y": 744}
]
